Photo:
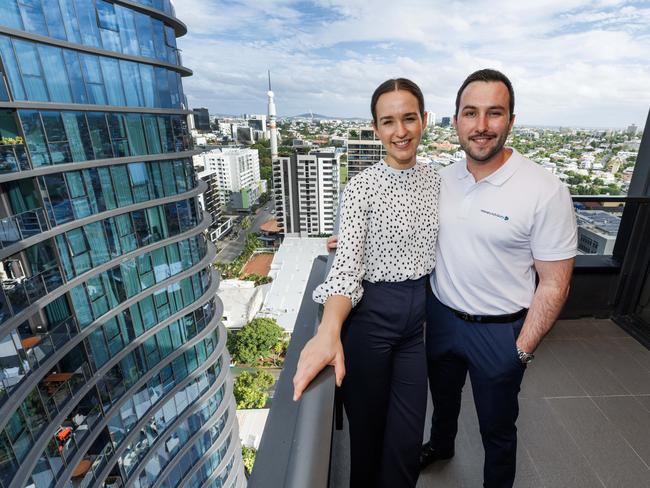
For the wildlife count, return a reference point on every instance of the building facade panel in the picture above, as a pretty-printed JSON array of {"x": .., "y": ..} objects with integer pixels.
[{"x": 110, "y": 327}]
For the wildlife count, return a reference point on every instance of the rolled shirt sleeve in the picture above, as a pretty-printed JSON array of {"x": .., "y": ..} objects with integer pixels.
[
  {"x": 347, "y": 270},
  {"x": 555, "y": 235}
]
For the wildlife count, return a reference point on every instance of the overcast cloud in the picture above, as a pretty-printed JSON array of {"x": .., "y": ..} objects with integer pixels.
[{"x": 572, "y": 62}]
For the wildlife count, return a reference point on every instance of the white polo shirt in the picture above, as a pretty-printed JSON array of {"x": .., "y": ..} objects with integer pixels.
[{"x": 491, "y": 231}]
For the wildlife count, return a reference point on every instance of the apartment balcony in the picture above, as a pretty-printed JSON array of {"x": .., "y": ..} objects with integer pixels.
[{"x": 585, "y": 400}]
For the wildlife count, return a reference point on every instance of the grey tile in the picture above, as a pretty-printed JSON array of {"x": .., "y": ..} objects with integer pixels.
[
  {"x": 635, "y": 350},
  {"x": 557, "y": 458},
  {"x": 608, "y": 453},
  {"x": 608, "y": 328},
  {"x": 644, "y": 400},
  {"x": 541, "y": 377},
  {"x": 573, "y": 329},
  {"x": 631, "y": 419},
  {"x": 584, "y": 365},
  {"x": 621, "y": 364}
]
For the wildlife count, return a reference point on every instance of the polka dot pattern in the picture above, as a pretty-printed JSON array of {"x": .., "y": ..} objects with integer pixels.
[{"x": 388, "y": 230}]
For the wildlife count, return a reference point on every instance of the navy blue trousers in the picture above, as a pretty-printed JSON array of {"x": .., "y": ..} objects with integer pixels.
[
  {"x": 385, "y": 386},
  {"x": 489, "y": 353}
]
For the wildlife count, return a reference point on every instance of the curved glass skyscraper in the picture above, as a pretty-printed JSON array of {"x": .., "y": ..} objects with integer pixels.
[{"x": 113, "y": 368}]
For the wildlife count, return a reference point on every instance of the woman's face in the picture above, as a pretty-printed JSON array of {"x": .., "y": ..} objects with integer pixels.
[{"x": 399, "y": 127}]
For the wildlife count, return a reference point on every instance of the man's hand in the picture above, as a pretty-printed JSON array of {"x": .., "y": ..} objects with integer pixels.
[
  {"x": 332, "y": 242},
  {"x": 322, "y": 349}
]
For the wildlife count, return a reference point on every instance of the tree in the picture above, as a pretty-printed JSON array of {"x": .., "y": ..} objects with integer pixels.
[
  {"x": 245, "y": 222},
  {"x": 248, "y": 454},
  {"x": 250, "y": 389},
  {"x": 256, "y": 340}
]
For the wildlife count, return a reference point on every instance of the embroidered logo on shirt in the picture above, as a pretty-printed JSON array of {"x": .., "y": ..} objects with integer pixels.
[{"x": 505, "y": 218}]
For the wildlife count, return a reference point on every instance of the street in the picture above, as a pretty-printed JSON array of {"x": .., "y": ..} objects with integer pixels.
[{"x": 232, "y": 247}]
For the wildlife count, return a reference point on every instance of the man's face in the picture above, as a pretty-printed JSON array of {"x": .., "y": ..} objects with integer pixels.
[
  {"x": 484, "y": 120},
  {"x": 399, "y": 126}
]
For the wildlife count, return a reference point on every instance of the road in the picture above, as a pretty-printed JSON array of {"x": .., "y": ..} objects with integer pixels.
[{"x": 233, "y": 244}]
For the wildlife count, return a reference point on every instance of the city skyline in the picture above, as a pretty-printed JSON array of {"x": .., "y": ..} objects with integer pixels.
[{"x": 574, "y": 63}]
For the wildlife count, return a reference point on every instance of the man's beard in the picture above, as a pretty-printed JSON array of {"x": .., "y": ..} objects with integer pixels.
[{"x": 500, "y": 142}]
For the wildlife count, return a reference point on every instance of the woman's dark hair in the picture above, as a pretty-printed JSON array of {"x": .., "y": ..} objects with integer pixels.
[
  {"x": 487, "y": 75},
  {"x": 393, "y": 85}
]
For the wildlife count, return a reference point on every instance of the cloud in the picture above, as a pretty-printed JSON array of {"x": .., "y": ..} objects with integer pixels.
[{"x": 573, "y": 62}]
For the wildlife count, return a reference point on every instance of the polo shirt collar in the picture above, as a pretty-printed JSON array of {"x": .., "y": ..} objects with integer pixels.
[{"x": 500, "y": 176}]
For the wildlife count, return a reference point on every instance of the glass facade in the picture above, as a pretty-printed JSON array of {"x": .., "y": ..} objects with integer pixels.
[
  {"x": 58, "y": 137},
  {"x": 113, "y": 355}
]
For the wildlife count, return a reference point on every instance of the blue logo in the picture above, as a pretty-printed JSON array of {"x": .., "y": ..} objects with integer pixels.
[{"x": 505, "y": 218}]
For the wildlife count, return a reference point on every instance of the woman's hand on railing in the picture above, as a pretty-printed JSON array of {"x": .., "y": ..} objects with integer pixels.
[
  {"x": 323, "y": 349},
  {"x": 332, "y": 242}
]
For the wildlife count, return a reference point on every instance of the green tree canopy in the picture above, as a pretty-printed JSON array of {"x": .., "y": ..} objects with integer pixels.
[
  {"x": 258, "y": 339},
  {"x": 248, "y": 453},
  {"x": 250, "y": 389}
]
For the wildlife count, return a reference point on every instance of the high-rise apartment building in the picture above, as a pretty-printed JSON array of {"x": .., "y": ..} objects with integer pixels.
[
  {"x": 212, "y": 202},
  {"x": 113, "y": 367},
  {"x": 306, "y": 190},
  {"x": 201, "y": 118},
  {"x": 238, "y": 172},
  {"x": 364, "y": 150}
]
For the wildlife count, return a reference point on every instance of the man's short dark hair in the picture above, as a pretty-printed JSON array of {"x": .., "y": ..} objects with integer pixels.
[
  {"x": 393, "y": 85},
  {"x": 487, "y": 75}
]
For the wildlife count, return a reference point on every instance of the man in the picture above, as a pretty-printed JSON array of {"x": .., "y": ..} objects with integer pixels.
[{"x": 503, "y": 220}]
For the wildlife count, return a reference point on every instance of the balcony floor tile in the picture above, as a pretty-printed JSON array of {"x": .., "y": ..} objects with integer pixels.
[{"x": 584, "y": 417}]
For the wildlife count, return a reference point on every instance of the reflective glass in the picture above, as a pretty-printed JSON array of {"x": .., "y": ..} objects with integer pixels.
[
  {"x": 99, "y": 135},
  {"x": 88, "y": 23},
  {"x": 53, "y": 19},
  {"x": 11, "y": 67},
  {"x": 111, "y": 71},
  {"x": 92, "y": 74},
  {"x": 33, "y": 18},
  {"x": 77, "y": 85},
  {"x": 57, "y": 77},
  {"x": 70, "y": 20},
  {"x": 32, "y": 73},
  {"x": 78, "y": 136}
]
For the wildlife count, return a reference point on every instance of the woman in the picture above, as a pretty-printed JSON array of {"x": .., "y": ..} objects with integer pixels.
[{"x": 374, "y": 297}]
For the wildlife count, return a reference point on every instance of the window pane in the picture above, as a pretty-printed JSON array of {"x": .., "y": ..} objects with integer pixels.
[
  {"x": 78, "y": 136},
  {"x": 153, "y": 138},
  {"x": 121, "y": 186},
  {"x": 94, "y": 80},
  {"x": 136, "y": 134},
  {"x": 77, "y": 84},
  {"x": 57, "y": 79},
  {"x": 53, "y": 19},
  {"x": 133, "y": 85},
  {"x": 99, "y": 135},
  {"x": 117, "y": 128},
  {"x": 35, "y": 137},
  {"x": 127, "y": 30},
  {"x": 33, "y": 18},
  {"x": 87, "y": 22},
  {"x": 11, "y": 67},
  {"x": 30, "y": 67},
  {"x": 70, "y": 20},
  {"x": 111, "y": 71}
]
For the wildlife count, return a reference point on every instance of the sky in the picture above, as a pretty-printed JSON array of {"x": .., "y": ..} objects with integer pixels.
[{"x": 573, "y": 63}]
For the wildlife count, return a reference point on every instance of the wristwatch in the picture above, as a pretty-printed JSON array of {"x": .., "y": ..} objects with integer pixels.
[{"x": 525, "y": 357}]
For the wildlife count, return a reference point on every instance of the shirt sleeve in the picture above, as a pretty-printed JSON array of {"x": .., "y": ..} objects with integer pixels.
[
  {"x": 347, "y": 270},
  {"x": 555, "y": 234}
]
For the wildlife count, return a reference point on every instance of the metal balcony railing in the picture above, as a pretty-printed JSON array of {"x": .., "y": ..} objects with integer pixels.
[
  {"x": 17, "y": 227},
  {"x": 18, "y": 294}
]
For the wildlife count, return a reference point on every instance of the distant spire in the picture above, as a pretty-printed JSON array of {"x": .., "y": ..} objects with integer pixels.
[{"x": 273, "y": 132}]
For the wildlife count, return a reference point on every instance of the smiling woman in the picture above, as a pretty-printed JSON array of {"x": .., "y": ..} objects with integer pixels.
[{"x": 374, "y": 297}]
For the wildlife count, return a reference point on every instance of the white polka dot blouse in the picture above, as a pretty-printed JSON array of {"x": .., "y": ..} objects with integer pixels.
[{"x": 388, "y": 230}]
